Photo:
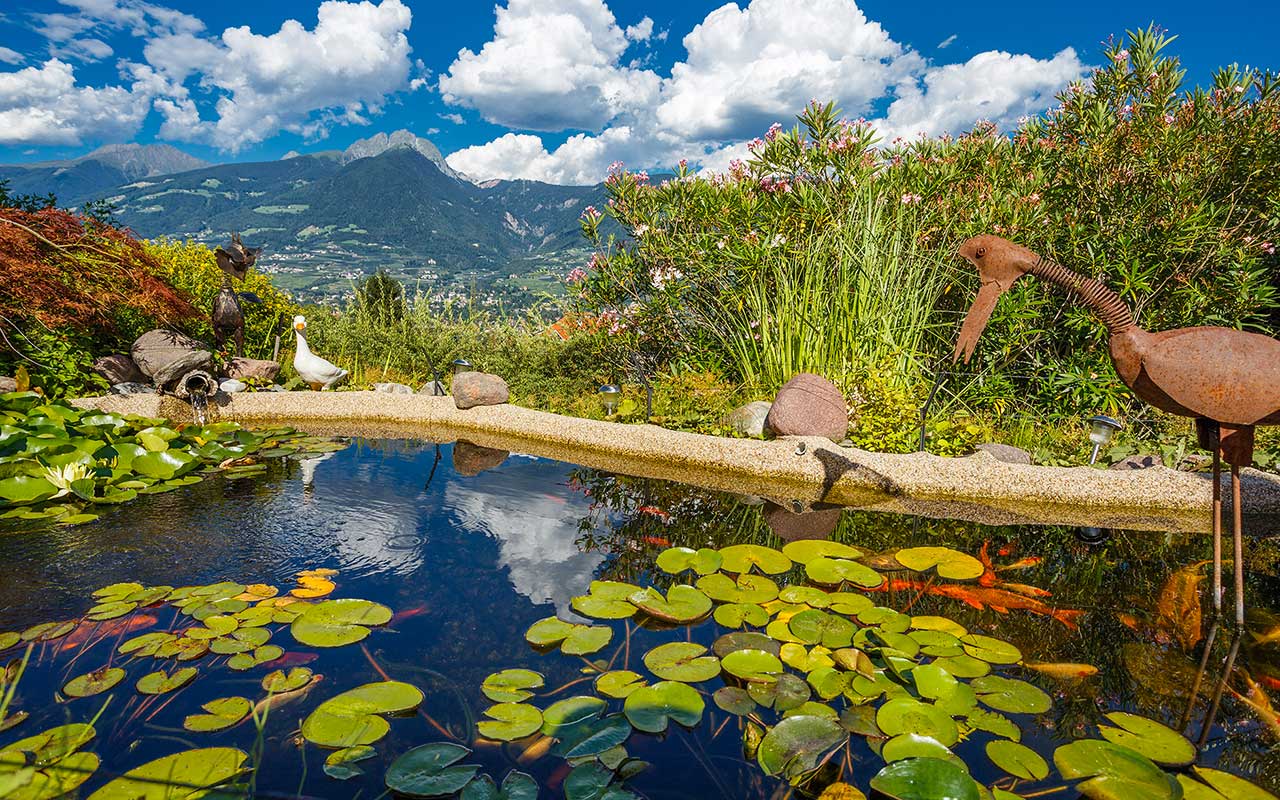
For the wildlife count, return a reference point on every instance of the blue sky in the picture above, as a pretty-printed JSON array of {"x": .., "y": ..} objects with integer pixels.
[{"x": 553, "y": 89}]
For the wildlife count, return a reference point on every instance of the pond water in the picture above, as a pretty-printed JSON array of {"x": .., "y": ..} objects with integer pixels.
[{"x": 468, "y": 562}]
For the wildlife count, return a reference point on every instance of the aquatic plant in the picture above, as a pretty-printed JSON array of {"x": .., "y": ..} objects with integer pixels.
[{"x": 62, "y": 463}]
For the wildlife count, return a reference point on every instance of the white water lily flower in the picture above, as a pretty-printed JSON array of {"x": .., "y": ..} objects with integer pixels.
[{"x": 62, "y": 477}]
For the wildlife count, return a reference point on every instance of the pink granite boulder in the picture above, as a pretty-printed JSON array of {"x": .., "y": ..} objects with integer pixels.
[{"x": 809, "y": 405}]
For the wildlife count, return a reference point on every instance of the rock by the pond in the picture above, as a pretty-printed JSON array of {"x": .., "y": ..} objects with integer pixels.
[
  {"x": 433, "y": 389},
  {"x": 1005, "y": 452},
  {"x": 1139, "y": 462},
  {"x": 791, "y": 526},
  {"x": 256, "y": 369},
  {"x": 164, "y": 356},
  {"x": 231, "y": 386},
  {"x": 749, "y": 419},
  {"x": 132, "y": 387},
  {"x": 472, "y": 459},
  {"x": 471, "y": 389},
  {"x": 392, "y": 388},
  {"x": 119, "y": 368},
  {"x": 8, "y": 384},
  {"x": 808, "y": 405}
]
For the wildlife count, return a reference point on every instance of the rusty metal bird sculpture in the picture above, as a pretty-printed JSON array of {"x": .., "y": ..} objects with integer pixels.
[
  {"x": 1225, "y": 379},
  {"x": 234, "y": 260}
]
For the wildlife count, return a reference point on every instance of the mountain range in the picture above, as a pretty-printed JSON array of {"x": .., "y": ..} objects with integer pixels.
[{"x": 326, "y": 219}]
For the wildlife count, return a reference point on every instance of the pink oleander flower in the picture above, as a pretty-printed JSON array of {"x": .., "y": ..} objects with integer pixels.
[
  {"x": 910, "y": 199},
  {"x": 1168, "y": 119},
  {"x": 774, "y": 130},
  {"x": 684, "y": 163},
  {"x": 1268, "y": 248},
  {"x": 1123, "y": 55},
  {"x": 576, "y": 275},
  {"x": 755, "y": 144},
  {"x": 590, "y": 212},
  {"x": 642, "y": 177}
]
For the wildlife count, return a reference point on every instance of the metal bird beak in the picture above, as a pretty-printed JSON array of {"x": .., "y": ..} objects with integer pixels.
[{"x": 975, "y": 322}]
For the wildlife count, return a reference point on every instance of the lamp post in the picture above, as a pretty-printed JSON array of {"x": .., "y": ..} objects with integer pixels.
[
  {"x": 460, "y": 365},
  {"x": 610, "y": 393},
  {"x": 1102, "y": 428}
]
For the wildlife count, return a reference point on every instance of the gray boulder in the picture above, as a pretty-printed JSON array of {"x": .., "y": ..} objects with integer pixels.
[
  {"x": 433, "y": 389},
  {"x": 1005, "y": 452},
  {"x": 8, "y": 384},
  {"x": 165, "y": 356},
  {"x": 119, "y": 368},
  {"x": 470, "y": 459},
  {"x": 256, "y": 369},
  {"x": 392, "y": 388},
  {"x": 749, "y": 419},
  {"x": 471, "y": 389},
  {"x": 808, "y": 405},
  {"x": 1139, "y": 462}
]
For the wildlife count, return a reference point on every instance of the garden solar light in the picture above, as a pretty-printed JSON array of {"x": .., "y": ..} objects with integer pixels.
[
  {"x": 609, "y": 395},
  {"x": 461, "y": 365},
  {"x": 1101, "y": 430}
]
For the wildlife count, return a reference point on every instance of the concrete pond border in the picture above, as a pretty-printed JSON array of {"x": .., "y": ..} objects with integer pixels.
[{"x": 801, "y": 473}]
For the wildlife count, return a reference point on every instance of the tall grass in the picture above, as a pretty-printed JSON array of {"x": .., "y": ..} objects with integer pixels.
[{"x": 863, "y": 294}]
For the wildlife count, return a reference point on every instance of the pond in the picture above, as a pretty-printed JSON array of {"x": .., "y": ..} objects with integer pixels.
[{"x": 944, "y": 638}]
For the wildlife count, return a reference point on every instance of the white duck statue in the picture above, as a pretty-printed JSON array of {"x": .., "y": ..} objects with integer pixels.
[{"x": 313, "y": 369}]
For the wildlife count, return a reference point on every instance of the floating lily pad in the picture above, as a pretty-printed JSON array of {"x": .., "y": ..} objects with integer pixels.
[
  {"x": 848, "y": 603},
  {"x": 180, "y": 775},
  {"x": 48, "y": 631},
  {"x": 745, "y": 557},
  {"x": 675, "y": 560},
  {"x": 260, "y": 655},
  {"x": 752, "y": 665},
  {"x": 951, "y": 564},
  {"x": 1148, "y": 737},
  {"x": 160, "y": 682},
  {"x": 683, "y": 603},
  {"x": 565, "y": 714},
  {"x": 811, "y": 596},
  {"x": 352, "y": 718},
  {"x": 1018, "y": 760},
  {"x": 333, "y": 623},
  {"x": 146, "y": 644},
  {"x": 1114, "y": 772},
  {"x": 511, "y": 685},
  {"x": 744, "y": 640},
  {"x": 746, "y": 588},
  {"x": 925, "y": 779},
  {"x": 794, "y": 744},
  {"x": 221, "y": 714},
  {"x": 806, "y": 660},
  {"x": 908, "y": 715},
  {"x": 341, "y": 764},
  {"x": 781, "y": 694},
  {"x": 574, "y": 639},
  {"x": 734, "y": 700},
  {"x": 619, "y": 683},
  {"x": 593, "y": 737},
  {"x": 992, "y": 651},
  {"x": 429, "y": 771},
  {"x": 992, "y": 722},
  {"x": 649, "y": 708},
  {"x": 833, "y": 571},
  {"x": 9, "y": 639},
  {"x": 737, "y": 615},
  {"x": 912, "y": 745},
  {"x": 96, "y": 682},
  {"x": 963, "y": 666},
  {"x": 682, "y": 661},
  {"x": 606, "y": 600},
  {"x": 819, "y": 627},
  {"x": 279, "y": 681},
  {"x": 510, "y": 721},
  {"x": 516, "y": 786},
  {"x": 803, "y": 551},
  {"x": 1010, "y": 695},
  {"x": 1219, "y": 785}
]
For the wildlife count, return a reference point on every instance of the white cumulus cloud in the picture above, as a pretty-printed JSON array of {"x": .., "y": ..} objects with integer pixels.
[
  {"x": 10, "y": 56},
  {"x": 44, "y": 105}
]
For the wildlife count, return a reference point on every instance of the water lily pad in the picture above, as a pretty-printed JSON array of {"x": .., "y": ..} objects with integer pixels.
[
  {"x": 278, "y": 681},
  {"x": 934, "y": 682},
  {"x": 606, "y": 600},
  {"x": 650, "y": 708},
  {"x": 164, "y": 465},
  {"x": 833, "y": 571},
  {"x": 352, "y": 718},
  {"x": 744, "y": 640},
  {"x": 752, "y": 665},
  {"x": 1148, "y": 737},
  {"x": 1219, "y": 785},
  {"x": 992, "y": 651},
  {"x": 1114, "y": 772},
  {"x": 619, "y": 683},
  {"x": 848, "y": 603},
  {"x": 511, "y": 685},
  {"x": 746, "y": 588},
  {"x": 963, "y": 666},
  {"x": 177, "y": 776},
  {"x": 737, "y": 615},
  {"x": 803, "y": 551},
  {"x": 683, "y": 603},
  {"x": 341, "y": 764},
  {"x": 516, "y": 786},
  {"x": 96, "y": 682},
  {"x": 908, "y": 715},
  {"x": 1010, "y": 695},
  {"x": 221, "y": 714},
  {"x": 925, "y": 779},
  {"x": 9, "y": 639},
  {"x": 429, "y": 771},
  {"x": 573, "y": 639},
  {"x": 951, "y": 564},
  {"x": 1018, "y": 760},
  {"x": 675, "y": 560},
  {"x": 913, "y": 745},
  {"x": 682, "y": 661},
  {"x": 810, "y": 596},
  {"x": 784, "y": 693},
  {"x": 593, "y": 737},
  {"x": 160, "y": 682},
  {"x": 117, "y": 591},
  {"x": 259, "y": 655},
  {"x": 109, "y": 610},
  {"x": 589, "y": 781},
  {"x": 734, "y": 700},
  {"x": 569, "y": 712},
  {"x": 510, "y": 721},
  {"x": 745, "y": 557},
  {"x": 819, "y": 627},
  {"x": 146, "y": 644},
  {"x": 806, "y": 660},
  {"x": 795, "y": 744},
  {"x": 333, "y": 623},
  {"x": 990, "y": 721},
  {"x": 26, "y": 489},
  {"x": 48, "y": 631}
]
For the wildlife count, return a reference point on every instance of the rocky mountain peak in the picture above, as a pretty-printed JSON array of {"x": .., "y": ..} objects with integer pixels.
[
  {"x": 380, "y": 143},
  {"x": 144, "y": 160}
]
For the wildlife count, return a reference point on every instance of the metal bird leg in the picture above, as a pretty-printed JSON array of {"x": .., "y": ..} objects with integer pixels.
[
  {"x": 1217, "y": 531},
  {"x": 1237, "y": 535}
]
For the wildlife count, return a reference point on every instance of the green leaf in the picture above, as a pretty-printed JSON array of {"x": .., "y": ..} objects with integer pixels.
[
  {"x": 745, "y": 557},
  {"x": 511, "y": 685},
  {"x": 429, "y": 771},
  {"x": 682, "y": 661},
  {"x": 1114, "y": 772},
  {"x": 951, "y": 564},
  {"x": 606, "y": 600},
  {"x": 992, "y": 651},
  {"x": 160, "y": 682},
  {"x": 1148, "y": 737},
  {"x": 734, "y": 700},
  {"x": 833, "y": 571},
  {"x": 510, "y": 721},
  {"x": 908, "y": 715},
  {"x": 96, "y": 682},
  {"x": 912, "y": 745},
  {"x": 737, "y": 615},
  {"x": 925, "y": 779},
  {"x": 574, "y": 639},
  {"x": 747, "y": 588},
  {"x": 819, "y": 627},
  {"x": 1010, "y": 695},
  {"x": 752, "y": 665},
  {"x": 176, "y": 777},
  {"x": 1219, "y": 785},
  {"x": 619, "y": 683},
  {"x": 794, "y": 744},
  {"x": 567, "y": 713},
  {"x": 1018, "y": 760},
  {"x": 341, "y": 764},
  {"x": 279, "y": 681},
  {"x": 222, "y": 714},
  {"x": 675, "y": 560},
  {"x": 683, "y": 604},
  {"x": 352, "y": 718},
  {"x": 333, "y": 623},
  {"x": 649, "y": 708},
  {"x": 803, "y": 551}
]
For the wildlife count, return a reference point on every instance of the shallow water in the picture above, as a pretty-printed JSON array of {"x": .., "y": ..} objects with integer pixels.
[{"x": 468, "y": 563}]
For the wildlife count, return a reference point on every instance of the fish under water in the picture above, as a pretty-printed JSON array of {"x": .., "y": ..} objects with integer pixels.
[{"x": 281, "y": 699}]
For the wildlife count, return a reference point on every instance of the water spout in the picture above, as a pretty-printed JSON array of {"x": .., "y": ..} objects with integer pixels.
[{"x": 195, "y": 387}]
